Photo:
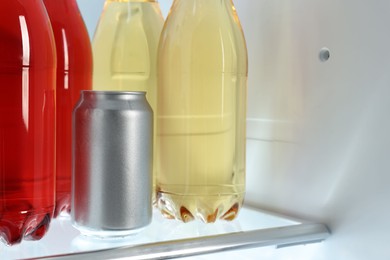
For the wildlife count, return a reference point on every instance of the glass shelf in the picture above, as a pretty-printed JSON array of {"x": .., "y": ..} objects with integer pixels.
[{"x": 170, "y": 238}]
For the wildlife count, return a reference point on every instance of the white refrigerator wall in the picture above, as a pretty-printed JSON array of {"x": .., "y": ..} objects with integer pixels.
[{"x": 318, "y": 116}]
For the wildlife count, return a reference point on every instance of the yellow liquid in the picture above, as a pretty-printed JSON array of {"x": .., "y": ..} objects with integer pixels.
[
  {"x": 202, "y": 74},
  {"x": 125, "y": 49}
]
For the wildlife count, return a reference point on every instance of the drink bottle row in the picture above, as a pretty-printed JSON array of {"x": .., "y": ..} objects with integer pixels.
[{"x": 193, "y": 68}]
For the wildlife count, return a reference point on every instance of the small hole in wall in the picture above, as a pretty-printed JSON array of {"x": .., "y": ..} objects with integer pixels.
[{"x": 324, "y": 54}]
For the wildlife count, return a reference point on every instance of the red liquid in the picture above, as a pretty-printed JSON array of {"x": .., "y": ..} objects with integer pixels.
[
  {"x": 74, "y": 73},
  {"x": 27, "y": 121}
]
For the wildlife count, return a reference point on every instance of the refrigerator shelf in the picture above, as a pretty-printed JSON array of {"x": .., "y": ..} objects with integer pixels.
[{"x": 171, "y": 239}]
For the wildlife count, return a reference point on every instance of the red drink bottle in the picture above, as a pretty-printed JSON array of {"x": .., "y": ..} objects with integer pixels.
[
  {"x": 74, "y": 73},
  {"x": 27, "y": 120}
]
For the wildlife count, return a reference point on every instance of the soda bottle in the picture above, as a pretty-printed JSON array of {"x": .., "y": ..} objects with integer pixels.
[
  {"x": 27, "y": 120},
  {"x": 125, "y": 48},
  {"x": 74, "y": 73},
  {"x": 202, "y": 78}
]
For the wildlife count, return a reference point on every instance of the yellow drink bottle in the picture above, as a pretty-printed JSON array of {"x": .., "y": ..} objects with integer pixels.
[
  {"x": 202, "y": 78},
  {"x": 125, "y": 48}
]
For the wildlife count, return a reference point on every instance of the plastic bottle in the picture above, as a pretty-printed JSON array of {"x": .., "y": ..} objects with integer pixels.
[
  {"x": 202, "y": 78},
  {"x": 74, "y": 73},
  {"x": 27, "y": 120},
  {"x": 125, "y": 48}
]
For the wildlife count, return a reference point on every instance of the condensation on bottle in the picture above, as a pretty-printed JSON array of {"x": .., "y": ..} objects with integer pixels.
[
  {"x": 27, "y": 121},
  {"x": 74, "y": 73},
  {"x": 202, "y": 79}
]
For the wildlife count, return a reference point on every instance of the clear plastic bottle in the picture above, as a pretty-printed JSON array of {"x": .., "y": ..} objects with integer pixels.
[
  {"x": 125, "y": 48},
  {"x": 202, "y": 78},
  {"x": 27, "y": 120},
  {"x": 74, "y": 73}
]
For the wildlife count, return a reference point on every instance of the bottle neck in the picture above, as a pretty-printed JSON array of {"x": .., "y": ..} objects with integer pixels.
[
  {"x": 202, "y": 5},
  {"x": 57, "y": 7},
  {"x": 204, "y": 2}
]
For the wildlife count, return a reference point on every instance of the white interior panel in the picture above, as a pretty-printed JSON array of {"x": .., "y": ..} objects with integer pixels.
[{"x": 318, "y": 131}]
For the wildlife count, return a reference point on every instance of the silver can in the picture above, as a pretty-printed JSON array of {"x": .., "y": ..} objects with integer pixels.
[{"x": 112, "y": 163}]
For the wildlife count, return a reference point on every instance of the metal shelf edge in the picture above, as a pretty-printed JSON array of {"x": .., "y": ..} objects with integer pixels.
[{"x": 282, "y": 236}]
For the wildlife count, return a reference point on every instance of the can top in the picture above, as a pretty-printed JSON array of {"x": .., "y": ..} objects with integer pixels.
[{"x": 121, "y": 95}]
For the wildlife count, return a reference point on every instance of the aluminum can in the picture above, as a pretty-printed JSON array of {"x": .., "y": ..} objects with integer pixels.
[{"x": 112, "y": 149}]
